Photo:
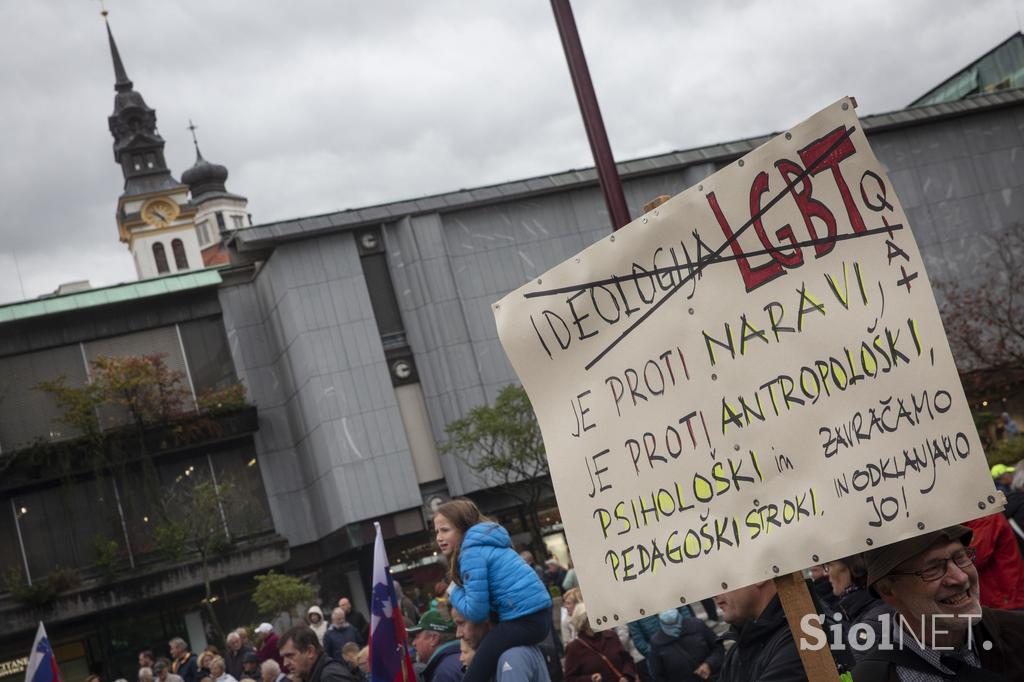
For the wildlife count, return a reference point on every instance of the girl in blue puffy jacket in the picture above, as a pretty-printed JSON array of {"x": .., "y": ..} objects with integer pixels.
[{"x": 489, "y": 577}]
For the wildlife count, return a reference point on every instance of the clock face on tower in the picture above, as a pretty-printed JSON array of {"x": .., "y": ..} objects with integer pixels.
[{"x": 159, "y": 212}]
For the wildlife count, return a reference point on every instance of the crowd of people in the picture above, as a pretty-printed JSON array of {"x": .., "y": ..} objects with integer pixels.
[{"x": 948, "y": 601}]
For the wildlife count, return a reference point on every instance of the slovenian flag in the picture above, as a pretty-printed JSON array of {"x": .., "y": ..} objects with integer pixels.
[
  {"x": 42, "y": 665},
  {"x": 389, "y": 645}
]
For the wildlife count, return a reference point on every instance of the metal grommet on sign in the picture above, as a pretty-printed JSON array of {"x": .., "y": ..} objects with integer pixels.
[
  {"x": 920, "y": 525},
  {"x": 992, "y": 499},
  {"x": 775, "y": 569},
  {"x": 714, "y": 377},
  {"x": 497, "y": 305},
  {"x": 644, "y": 219},
  {"x": 725, "y": 586},
  {"x": 846, "y": 105},
  {"x": 577, "y": 260},
  {"x": 642, "y": 612},
  {"x": 612, "y": 237},
  {"x": 981, "y": 505},
  {"x": 616, "y": 616},
  {"x": 700, "y": 188},
  {"x": 814, "y": 558},
  {"x": 540, "y": 281},
  {"x": 789, "y": 136},
  {"x": 870, "y": 542},
  {"x": 682, "y": 600},
  {"x": 691, "y": 311},
  {"x": 736, "y": 447},
  {"x": 740, "y": 162}
]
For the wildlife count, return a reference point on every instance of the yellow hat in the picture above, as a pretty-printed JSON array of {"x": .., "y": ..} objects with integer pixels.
[{"x": 1000, "y": 469}]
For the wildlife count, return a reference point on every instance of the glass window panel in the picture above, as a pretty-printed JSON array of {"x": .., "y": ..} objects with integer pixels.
[
  {"x": 245, "y": 503},
  {"x": 26, "y": 413},
  {"x": 162, "y": 340},
  {"x": 382, "y": 294},
  {"x": 209, "y": 359},
  {"x": 10, "y": 551},
  {"x": 44, "y": 529}
]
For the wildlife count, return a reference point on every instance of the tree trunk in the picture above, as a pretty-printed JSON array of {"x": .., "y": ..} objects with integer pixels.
[{"x": 210, "y": 613}]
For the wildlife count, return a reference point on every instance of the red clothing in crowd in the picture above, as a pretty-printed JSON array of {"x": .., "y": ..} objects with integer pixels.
[
  {"x": 268, "y": 650},
  {"x": 1000, "y": 568}
]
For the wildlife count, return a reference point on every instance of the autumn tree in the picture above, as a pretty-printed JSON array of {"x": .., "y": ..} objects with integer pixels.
[
  {"x": 985, "y": 322},
  {"x": 502, "y": 444}
]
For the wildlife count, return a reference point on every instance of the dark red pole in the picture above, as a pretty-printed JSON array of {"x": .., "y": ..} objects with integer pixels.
[{"x": 607, "y": 174}]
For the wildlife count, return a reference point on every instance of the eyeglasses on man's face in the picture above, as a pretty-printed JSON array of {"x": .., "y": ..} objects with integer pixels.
[{"x": 937, "y": 569}]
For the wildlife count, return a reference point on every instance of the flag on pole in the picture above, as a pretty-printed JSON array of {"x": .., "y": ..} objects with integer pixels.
[
  {"x": 389, "y": 643},
  {"x": 42, "y": 664}
]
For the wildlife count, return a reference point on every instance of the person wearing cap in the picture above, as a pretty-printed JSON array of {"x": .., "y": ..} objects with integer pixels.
[
  {"x": 434, "y": 639},
  {"x": 1002, "y": 476},
  {"x": 251, "y": 666},
  {"x": 267, "y": 643},
  {"x": 764, "y": 648},
  {"x": 684, "y": 649},
  {"x": 162, "y": 671},
  {"x": 942, "y": 632}
]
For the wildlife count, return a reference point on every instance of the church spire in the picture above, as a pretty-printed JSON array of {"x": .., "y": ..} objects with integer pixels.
[
  {"x": 138, "y": 147},
  {"x": 121, "y": 81}
]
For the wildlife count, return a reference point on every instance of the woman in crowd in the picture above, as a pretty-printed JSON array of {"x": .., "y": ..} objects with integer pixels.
[
  {"x": 857, "y": 607},
  {"x": 569, "y": 601},
  {"x": 596, "y": 656},
  {"x": 217, "y": 671}
]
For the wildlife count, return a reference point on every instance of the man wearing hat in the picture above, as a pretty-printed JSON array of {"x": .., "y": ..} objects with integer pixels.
[
  {"x": 1002, "y": 476},
  {"x": 941, "y": 631},
  {"x": 251, "y": 666},
  {"x": 267, "y": 643},
  {"x": 436, "y": 646}
]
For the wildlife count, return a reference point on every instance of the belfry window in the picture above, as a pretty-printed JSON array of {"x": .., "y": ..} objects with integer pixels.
[
  {"x": 180, "y": 260},
  {"x": 160, "y": 256}
]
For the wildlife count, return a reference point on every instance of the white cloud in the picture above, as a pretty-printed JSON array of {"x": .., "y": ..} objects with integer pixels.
[{"x": 317, "y": 106}]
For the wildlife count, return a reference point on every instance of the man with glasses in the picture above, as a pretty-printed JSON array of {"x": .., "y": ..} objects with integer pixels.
[{"x": 941, "y": 631}]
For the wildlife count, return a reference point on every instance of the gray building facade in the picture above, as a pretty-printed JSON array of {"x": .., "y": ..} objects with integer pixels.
[{"x": 337, "y": 443}]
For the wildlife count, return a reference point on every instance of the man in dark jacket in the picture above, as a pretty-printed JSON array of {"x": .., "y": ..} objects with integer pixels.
[
  {"x": 764, "y": 649},
  {"x": 234, "y": 655},
  {"x": 303, "y": 656},
  {"x": 183, "y": 662},
  {"x": 357, "y": 620},
  {"x": 683, "y": 649},
  {"x": 433, "y": 637},
  {"x": 339, "y": 634},
  {"x": 932, "y": 584}
]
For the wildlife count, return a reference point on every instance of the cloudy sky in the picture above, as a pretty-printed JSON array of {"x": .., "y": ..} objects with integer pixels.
[{"x": 321, "y": 105}]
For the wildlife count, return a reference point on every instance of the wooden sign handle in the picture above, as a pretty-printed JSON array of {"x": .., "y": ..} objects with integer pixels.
[{"x": 796, "y": 602}]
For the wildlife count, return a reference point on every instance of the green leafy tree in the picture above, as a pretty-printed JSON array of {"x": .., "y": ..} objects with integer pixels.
[
  {"x": 502, "y": 444},
  {"x": 277, "y": 592}
]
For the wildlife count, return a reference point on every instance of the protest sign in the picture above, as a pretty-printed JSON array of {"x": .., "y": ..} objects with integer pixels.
[{"x": 747, "y": 380}]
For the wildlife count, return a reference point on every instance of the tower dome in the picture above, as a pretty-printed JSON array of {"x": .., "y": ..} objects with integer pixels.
[{"x": 204, "y": 177}]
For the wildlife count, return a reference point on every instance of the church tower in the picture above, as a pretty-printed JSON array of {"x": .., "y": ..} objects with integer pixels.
[
  {"x": 154, "y": 215},
  {"x": 218, "y": 211}
]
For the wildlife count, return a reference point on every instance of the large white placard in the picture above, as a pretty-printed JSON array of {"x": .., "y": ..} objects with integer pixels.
[{"x": 750, "y": 379}]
